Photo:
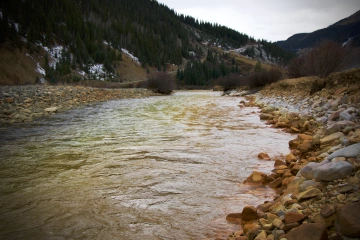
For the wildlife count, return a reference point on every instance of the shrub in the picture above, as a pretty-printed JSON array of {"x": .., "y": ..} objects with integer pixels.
[
  {"x": 265, "y": 77},
  {"x": 230, "y": 82},
  {"x": 162, "y": 83},
  {"x": 321, "y": 61}
]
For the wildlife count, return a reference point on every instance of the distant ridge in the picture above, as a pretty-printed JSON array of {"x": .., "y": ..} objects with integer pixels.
[{"x": 341, "y": 31}]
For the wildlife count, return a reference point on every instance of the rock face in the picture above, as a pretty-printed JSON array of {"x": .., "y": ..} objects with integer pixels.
[
  {"x": 347, "y": 220},
  {"x": 309, "y": 231}
]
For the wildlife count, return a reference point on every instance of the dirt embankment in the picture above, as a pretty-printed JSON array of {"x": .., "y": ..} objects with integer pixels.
[{"x": 319, "y": 180}]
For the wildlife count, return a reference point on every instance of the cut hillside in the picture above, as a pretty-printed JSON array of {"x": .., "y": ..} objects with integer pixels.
[
  {"x": 347, "y": 82},
  {"x": 18, "y": 67}
]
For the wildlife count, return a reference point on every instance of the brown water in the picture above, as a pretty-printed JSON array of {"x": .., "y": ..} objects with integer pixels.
[{"x": 155, "y": 168}]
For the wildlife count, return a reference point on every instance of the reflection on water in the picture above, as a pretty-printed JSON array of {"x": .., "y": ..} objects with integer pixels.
[{"x": 155, "y": 168}]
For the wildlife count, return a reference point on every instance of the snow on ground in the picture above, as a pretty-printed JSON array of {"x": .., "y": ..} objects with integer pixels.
[
  {"x": 82, "y": 73},
  {"x": 40, "y": 69},
  {"x": 97, "y": 71},
  {"x": 54, "y": 54},
  {"x": 130, "y": 55},
  {"x": 347, "y": 41}
]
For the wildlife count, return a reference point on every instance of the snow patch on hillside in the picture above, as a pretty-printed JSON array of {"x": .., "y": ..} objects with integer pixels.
[
  {"x": 39, "y": 69},
  {"x": 135, "y": 59},
  {"x": 346, "y": 42}
]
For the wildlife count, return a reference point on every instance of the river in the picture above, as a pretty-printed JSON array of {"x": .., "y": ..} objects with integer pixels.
[{"x": 155, "y": 168}]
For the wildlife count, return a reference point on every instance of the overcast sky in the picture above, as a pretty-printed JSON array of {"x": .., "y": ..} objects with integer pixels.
[{"x": 272, "y": 20}]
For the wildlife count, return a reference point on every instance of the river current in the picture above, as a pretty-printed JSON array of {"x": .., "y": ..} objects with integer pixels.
[{"x": 154, "y": 168}]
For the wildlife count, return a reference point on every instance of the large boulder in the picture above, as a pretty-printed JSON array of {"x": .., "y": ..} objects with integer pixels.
[
  {"x": 308, "y": 231},
  {"x": 347, "y": 220},
  {"x": 333, "y": 170},
  {"x": 308, "y": 171},
  {"x": 351, "y": 151}
]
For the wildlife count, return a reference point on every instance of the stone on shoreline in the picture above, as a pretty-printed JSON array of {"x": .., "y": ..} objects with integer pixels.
[
  {"x": 349, "y": 152},
  {"x": 333, "y": 170},
  {"x": 347, "y": 219},
  {"x": 309, "y": 231},
  {"x": 264, "y": 156},
  {"x": 332, "y": 137},
  {"x": 51, "y": 109}
]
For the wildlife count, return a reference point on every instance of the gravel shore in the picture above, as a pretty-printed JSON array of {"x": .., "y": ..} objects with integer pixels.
[
  {"x": 27, "y": 103},
  {"x": 319, "y": 180}
]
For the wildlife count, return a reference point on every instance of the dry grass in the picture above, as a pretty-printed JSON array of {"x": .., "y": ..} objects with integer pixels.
[{"x": 16, "y": 67}]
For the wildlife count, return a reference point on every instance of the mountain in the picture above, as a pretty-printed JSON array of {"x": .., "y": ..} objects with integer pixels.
[
  {"x": 347, "y": 29},
  {"x": 113, "y": 40}
]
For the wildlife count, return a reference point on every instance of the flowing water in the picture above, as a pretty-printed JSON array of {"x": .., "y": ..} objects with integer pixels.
[{"x": 154, "y": 168}]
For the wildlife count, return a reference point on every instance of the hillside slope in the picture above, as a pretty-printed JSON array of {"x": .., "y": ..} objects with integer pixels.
[{"x": 75, "y": 40}]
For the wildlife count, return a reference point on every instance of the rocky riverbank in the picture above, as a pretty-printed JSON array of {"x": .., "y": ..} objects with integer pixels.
[
  {"x": 319, "y": 180},
  {"x": 27, "y": 103}
]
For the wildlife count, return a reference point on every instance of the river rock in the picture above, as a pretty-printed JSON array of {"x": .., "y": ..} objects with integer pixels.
[
  {"x": 307, "y": 184},
  {"x": 249, "y": 213},
  {"x": 294, "y": 186},
  {"x": 355, "y": 137},
  {"x": 264, "y": 156},
  {"x": 278, "y": 223},
  {"x": 278, "y": 234},
  {"x": 308, "y": 171},
  {"x": 265, "y": 206},
  {"x": 327, "y": 210},
  {"x": 291, "y": 217},
  {"x": 331, "y": 138},
  {"x": 347, "y": 219},
  {"x": 308, "y": 231},
  {"x": 310, "y": 193},
  {"x": 276, "y": 183},
  {"x": 335, "y": 115},
  {"x": 256, "y": 177},
  {"x": 333, "y": 170},
  {"x": 265, "y": 116},
  {"x": 305, "y": 137},
  {"x": 51, "y": 109},
  {"x": 334, "y": 128},
  {"x": 261, "y": 236},
  {"x": 289, "y": 158},
  {"x": 234, "y": 217},
  {"x": 346, "y": 116},
  {"x": 251, "y": 229}
]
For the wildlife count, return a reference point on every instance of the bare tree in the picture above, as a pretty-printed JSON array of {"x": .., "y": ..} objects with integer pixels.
[{"x": 321, "y": 61}]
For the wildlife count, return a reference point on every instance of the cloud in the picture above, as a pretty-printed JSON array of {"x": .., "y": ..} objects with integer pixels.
[{"x": 269, "y": 19}]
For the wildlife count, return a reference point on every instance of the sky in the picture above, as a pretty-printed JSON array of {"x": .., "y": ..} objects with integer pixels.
[{"x": 272, "y": 20}]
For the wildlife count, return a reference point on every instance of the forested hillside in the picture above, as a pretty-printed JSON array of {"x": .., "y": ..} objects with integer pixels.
[{"x": 90, "y": 37}]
